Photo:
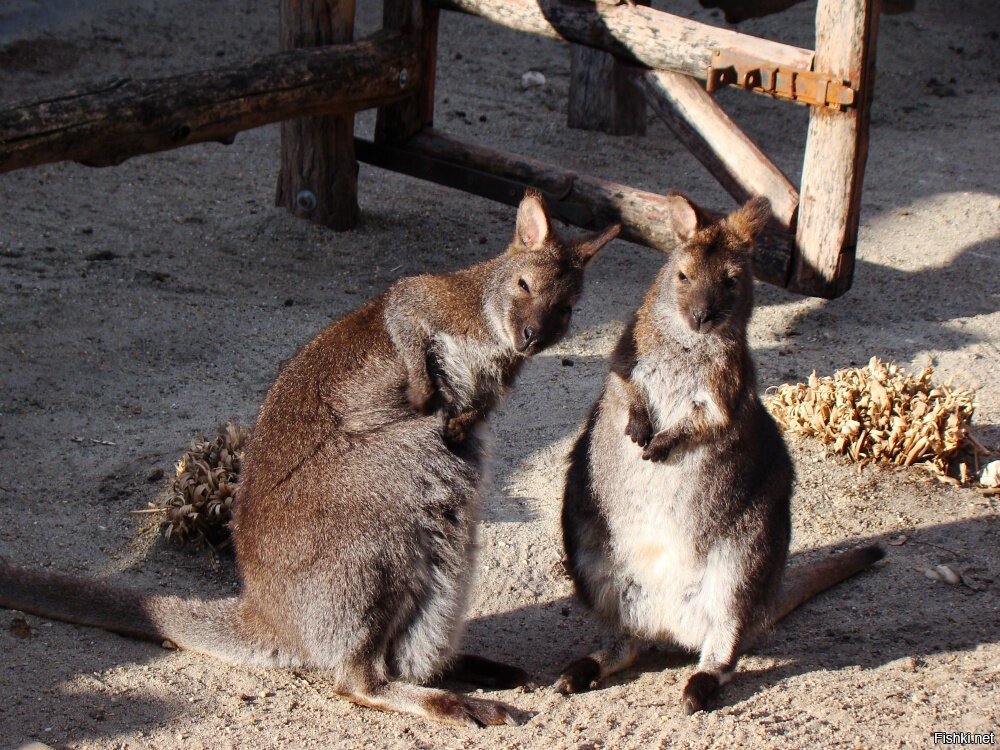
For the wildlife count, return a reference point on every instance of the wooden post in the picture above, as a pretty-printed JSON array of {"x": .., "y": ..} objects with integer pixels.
[
  {"x": 715, "y": 140},
  {"x": 836, "y": 149},
  {"x": 417, "y": 20},
  {"x": 319, "y": 174},
  {"x": 600, "y": 97}
]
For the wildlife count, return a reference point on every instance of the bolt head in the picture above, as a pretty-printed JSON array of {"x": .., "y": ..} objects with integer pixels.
[{"x": 305, "y": 200}]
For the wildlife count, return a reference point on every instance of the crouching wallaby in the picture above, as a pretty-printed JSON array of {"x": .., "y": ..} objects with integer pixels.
[
  {"x": 356, "y": 521},
  {"x": 676, "y": 512}
]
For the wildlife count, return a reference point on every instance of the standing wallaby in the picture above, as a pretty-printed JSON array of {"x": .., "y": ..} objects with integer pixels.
[
  {"x": 676, "y": 515},
  {"x": 358, "y": 505}
]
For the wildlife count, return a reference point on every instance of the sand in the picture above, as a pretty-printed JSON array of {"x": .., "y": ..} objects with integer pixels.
[{"x": 144, "y": 304}]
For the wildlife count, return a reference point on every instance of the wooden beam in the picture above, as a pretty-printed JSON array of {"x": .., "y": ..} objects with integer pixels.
[
  {"x": 601, "y": 96},
  {"x": 318, "y": 178},
  {"x": 725, "y": 150},
  {"x": 836, "y": 150},
  {"x": 582, "y": 200},
  {"x": 106, "y": 126},
  {"x": 418, "y": 21},
  {"x": 634, "y": 34}
]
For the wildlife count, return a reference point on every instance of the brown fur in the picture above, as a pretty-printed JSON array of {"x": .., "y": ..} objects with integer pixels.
[
  {"x": 684, "y": 535},
  {"x": 358, "y": 506}
]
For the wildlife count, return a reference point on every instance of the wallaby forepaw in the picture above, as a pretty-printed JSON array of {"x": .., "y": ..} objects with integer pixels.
[
  {"x": 578, "y": 677},
  {"x": 639, "y": 428},
  {"x": 700, "y": 692},
  {"x": 420, "y": 395},
  {"x": 659, "y": 447}
]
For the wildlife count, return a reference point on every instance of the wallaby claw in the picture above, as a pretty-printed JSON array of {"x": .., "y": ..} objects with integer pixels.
[
  {"x": 639, "y": 428},
  {"x": 700, "y": 691},
  {"x": 456, "y": 429},
  {"x": 578, "y": 677},
  {"x": 659, "y": 447}
]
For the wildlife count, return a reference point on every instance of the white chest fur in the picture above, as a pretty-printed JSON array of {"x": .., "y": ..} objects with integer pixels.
[
  {"x": 472, "y": 367},
  {"x": 665, "y": 588},
  {"x": 674, "y": 391}
]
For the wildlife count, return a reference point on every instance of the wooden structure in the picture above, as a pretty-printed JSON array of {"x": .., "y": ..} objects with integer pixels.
[{"x": 322, "y": 77}]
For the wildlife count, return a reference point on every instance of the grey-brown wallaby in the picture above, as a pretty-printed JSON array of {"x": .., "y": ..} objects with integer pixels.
[
  {"x": 676, "y": 515},
  {"x": 358, "y": 505}
]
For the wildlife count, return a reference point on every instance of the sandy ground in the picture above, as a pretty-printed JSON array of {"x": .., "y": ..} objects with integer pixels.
[{"x": 143, "y": 305}]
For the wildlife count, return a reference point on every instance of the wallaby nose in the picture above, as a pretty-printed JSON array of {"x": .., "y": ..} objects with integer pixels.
[
  {"x": 530, "y": 333},
  {"x": 699, "y": 315}
]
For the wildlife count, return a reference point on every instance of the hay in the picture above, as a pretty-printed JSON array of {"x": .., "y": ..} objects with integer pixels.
[
  {"x": 199, "y": 505},
  {"x": 879, "y": 413}
]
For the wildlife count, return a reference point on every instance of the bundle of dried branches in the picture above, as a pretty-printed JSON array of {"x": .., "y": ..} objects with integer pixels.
[
  {"x": 879, "y": 413},
  {"x": 199, "y": 505}
]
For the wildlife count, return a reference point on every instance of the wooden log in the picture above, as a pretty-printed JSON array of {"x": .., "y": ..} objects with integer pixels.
[
  {"x": 418, "y": 21},
  {"x": 836, "y": 150},
  {"x": 715, "y": 140},
  {"x": 600, "y": 94},
  {"x": 585, "y": 201},
  {"x": 637, "y": 35},
  {"x": 108, "y": 125},
  {"x": 318, "y": 178}
]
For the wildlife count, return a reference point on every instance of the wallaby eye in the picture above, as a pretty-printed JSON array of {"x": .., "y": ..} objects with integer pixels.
[
  {"x": 524, "y": 285},
  {"x": 681, "y": 276},
  {"x": 731, "y": 281}
]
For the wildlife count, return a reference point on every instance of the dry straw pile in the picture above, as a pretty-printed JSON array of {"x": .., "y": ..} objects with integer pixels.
[
  {"x": 200, "y": 502},
  {"x": 879, "y": 413}
]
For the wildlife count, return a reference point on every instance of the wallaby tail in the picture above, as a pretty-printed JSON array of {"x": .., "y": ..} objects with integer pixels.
[
  {"x": 210, "y": 627},
  {"x": 804, "y": 582}
]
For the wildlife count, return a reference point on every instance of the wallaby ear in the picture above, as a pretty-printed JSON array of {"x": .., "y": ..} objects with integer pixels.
[
  {"x": 687, "y": 221},
  {"x": 586, "y": 247},
  {"x": 532, "y": 221},
  {"x": 749, "y": 220}
]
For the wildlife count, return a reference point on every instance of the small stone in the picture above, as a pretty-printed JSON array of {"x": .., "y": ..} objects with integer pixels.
[
  {"x": 155, "y": 475},
  {"x": 566, "y": 362},
  {"x": 532, "y": 79},
  {"x": 20, "y": 628}
]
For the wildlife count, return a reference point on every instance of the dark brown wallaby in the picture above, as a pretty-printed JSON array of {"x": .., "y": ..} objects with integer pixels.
[
  {"x": 358, "y": 505},
  {"x": 676, "y": 514}
]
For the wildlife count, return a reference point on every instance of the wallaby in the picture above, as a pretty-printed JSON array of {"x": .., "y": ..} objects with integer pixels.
[
  {"x": 676, "y": 514},
  {"x": 357, "y": 510}
]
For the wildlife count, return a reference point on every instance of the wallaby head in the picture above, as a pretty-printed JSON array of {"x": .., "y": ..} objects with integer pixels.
[
  {"x": 540, "y": 277},
  {"x": 708, "y": 283}
]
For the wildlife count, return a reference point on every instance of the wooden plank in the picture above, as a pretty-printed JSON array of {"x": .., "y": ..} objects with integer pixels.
[
  {"x": 108, "y": 125},
  {"x": 582, "y": 200},
  {"x": 419, "y": 22},
  {"x": 634, "y": 34},
  {"x": 725, "y": 150},
  {"x": 601, "y": 96},
  {"x": 836, "y": 150},
  {"x": 318, "y": 178}
]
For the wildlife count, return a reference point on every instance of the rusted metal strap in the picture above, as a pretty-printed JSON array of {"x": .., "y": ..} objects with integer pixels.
[{"x": 802, "y": 86}]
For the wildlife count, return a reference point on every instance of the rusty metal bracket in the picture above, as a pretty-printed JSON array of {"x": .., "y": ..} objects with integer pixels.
[{"x": 802, "y": 86}]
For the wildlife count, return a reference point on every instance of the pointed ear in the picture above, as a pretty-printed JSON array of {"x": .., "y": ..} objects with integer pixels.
[
  {"x": 749, "y": 220},
  {"x": 586, "y": 247},
  {"x": 687, "y": 220},
  {"x": 532, "y": 221}
]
